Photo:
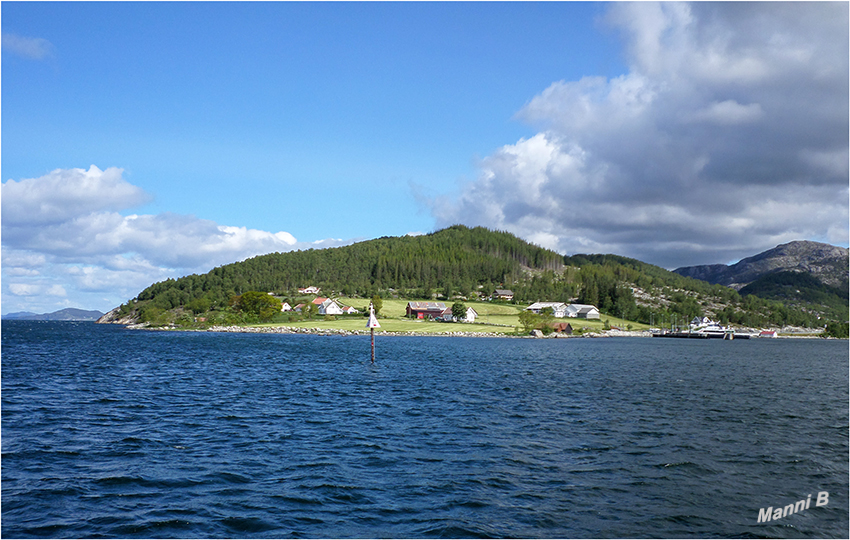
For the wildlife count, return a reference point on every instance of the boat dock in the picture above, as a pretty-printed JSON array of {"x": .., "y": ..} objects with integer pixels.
[
  {"x": 690, "y": 335},
  {"x": 702, "y": 335}
]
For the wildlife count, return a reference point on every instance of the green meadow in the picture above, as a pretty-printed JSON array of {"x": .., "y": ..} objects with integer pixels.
[{"x": 492, "y": 318}]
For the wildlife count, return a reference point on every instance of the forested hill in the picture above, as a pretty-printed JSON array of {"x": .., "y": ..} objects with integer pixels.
[
  {"x": 457, "y": 257},
  {"x": 456, "y": 262}
]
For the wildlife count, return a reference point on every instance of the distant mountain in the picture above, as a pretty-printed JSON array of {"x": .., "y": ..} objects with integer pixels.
[
  {"x": 19, "y": 315},
  {"x": 828, "y": 264},
  {"x": 67, "y": 314},
  {"x": 807, "y": 275}
]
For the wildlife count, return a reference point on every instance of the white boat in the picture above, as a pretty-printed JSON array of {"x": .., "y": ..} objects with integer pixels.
[{"x": 713, "y": 329}]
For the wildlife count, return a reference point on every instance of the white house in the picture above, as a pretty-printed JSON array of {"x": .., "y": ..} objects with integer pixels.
[
  {"x": 285, "y": 307},
  {"x": 471, "y": 314},
  {"x": 348, "y": 310},
  {"x": 559, "y": 309},
  {"x": 309, "y": 290},
  {"x": 582, "y": 311},
  {"x": 329, "y": 307}
]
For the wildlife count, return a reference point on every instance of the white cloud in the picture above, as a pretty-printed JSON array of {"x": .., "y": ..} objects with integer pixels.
[
  {"x": 65, "y": 194},
  {"x": 22, "y": 259},
  {"x": 24, "y": 289},
  {"x": 64, "y": 234},
  {"x": 72, "y": 215},
  {"x": 727, "y": 136},
  {"x": 21, "y": 272},
  {"x": 26, "y": 47},
  {"x": 56, "y": 290}
]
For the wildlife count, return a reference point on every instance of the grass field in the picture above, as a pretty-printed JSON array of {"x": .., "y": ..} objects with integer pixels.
[{"x": 493, "y": 318}]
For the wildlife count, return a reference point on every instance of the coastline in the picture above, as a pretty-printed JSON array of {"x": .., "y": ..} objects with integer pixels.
[{"x": 350, "y": 333}]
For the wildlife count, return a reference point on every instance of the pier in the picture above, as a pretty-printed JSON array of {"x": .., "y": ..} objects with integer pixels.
[
  {"x": 702, "y": 335},
  {"x": 690, "y": 335}
]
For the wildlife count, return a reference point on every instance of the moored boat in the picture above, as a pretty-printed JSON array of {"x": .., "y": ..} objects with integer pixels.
[{"x": 705, "y": 328}]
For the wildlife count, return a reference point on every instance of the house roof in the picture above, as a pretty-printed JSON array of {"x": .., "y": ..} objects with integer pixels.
[
  {"x": 580, "y": 308},
  {"x": 504, "y": 292},
  {"x": 319, "y": 301},
  {"x": 553, "y": 305},
  {"x": 427, "y": 306}
]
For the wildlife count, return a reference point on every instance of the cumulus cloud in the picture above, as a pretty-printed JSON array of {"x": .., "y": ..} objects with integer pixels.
[
  {"x": 727, "y": 136},
  {"x": 64, "y": 194},
  {"x": 24, "y": 289},
  {"x": 64, "y": 235},
  {"x": 27, "y": 47},
  {"x": 56, "y": 290}
]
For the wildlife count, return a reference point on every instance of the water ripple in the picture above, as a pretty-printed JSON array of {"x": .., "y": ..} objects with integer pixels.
[{"x": 109, "y": 432}]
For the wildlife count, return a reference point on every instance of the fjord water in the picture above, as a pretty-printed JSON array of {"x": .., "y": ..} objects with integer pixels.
[{"x": 109, "y": 432}]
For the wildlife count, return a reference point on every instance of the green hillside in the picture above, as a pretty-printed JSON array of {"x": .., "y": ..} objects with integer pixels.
[
  {"x": 457, "y": 263},
  {"x": 801, "y": 290},
  {"x": 457, "y": 257}
]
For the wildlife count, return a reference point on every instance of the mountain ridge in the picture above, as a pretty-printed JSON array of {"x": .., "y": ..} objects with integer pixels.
[
  {"x": 828, "y": 263},
  {"x": 67, "y": 314}
]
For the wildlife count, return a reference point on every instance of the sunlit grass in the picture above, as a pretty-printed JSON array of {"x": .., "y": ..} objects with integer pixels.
[
  {"x": 399, "y": 325},
  {"x": 493, "y": 318}
]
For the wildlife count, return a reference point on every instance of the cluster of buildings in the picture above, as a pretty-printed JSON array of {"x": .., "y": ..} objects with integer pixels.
[
  {"x": 437, "y": 311},
  {"x": 562, "y": 310},
  {"x": 326, "y": 307}
]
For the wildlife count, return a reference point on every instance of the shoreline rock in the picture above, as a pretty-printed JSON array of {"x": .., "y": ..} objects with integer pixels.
[
  {"x": 351, "y": 333},
  {"x": 348, "y": 333}
]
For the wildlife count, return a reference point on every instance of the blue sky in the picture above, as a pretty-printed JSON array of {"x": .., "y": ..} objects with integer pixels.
[
  {"x": 678, "y": 134},
  {"x": 218, "y": 108}
]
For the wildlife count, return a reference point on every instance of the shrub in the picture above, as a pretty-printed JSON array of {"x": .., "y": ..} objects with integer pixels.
[{"x": 837, "y": 330}]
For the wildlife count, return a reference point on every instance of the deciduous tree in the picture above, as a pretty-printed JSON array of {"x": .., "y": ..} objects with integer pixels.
[{"x": 259, "y": 304}]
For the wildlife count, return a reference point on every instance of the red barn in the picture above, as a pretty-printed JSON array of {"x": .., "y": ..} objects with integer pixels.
[{"x": 424, "y": 310}]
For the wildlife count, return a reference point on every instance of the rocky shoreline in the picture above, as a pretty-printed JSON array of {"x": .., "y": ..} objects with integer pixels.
[
  {"x": 535, "y": 334},
  {"x": 336, "y": 332}
]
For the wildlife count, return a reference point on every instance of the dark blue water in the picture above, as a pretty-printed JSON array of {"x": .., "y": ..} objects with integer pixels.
[{"x": 108, "y": 432}]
